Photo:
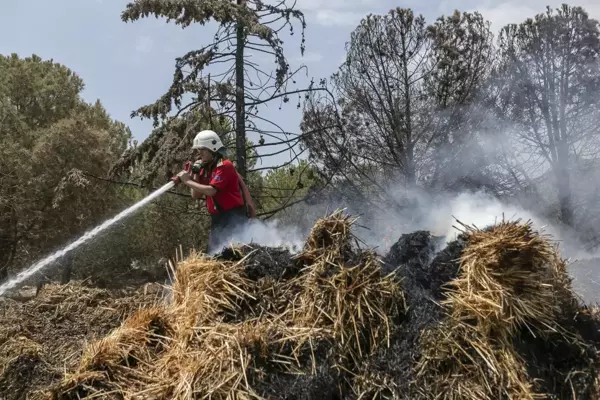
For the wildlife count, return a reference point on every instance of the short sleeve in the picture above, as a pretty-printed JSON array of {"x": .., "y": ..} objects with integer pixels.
[{"x": 223, "y": 176}]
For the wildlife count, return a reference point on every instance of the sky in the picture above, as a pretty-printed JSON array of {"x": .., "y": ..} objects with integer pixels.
[{"x": 127, "y": 65}]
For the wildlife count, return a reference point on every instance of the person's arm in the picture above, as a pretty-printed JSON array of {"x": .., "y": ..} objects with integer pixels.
[
  {"x": 195, "y": 194},
  {"x": 201, "y": 190}
]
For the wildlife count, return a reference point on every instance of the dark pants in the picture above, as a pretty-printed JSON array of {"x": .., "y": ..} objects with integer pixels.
[{"x": 223, "y": 226}]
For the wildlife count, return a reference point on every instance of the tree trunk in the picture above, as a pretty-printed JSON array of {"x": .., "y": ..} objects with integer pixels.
[
  {"x": 240, "y": 115},
  {"x": 565, "y": 195},
  {"x": 410, "y": 172},
  {"x": 8, "y": 243},
  {"x": 563, "y": 181}
]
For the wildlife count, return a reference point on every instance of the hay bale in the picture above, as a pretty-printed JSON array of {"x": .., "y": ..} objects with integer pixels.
[
  {"x": 208, "y": 290},
  {"x": 510, "y": 278},
  {"x": 222, "y": 360},
  {"x": 354, "y": 302},
  {"x": 458, "y": 362},
  {"x": 508, "y": 302},
  {"x": 331, "y": 235}
]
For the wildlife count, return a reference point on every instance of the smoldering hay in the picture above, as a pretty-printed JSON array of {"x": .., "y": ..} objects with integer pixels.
[{"x": 491, "y": 316}]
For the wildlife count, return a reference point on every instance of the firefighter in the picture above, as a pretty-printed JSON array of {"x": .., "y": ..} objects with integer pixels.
[{"x": 227, "y": 197}]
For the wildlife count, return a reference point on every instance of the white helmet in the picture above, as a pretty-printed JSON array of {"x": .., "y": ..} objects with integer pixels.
[{"x": 207, "y": 140}]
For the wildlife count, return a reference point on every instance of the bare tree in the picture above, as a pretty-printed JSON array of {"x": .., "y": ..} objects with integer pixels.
[
  {"x": 546, "y": 89},
  {"x": 461, "y": 62},
  {"x": 402, "y": 101}
]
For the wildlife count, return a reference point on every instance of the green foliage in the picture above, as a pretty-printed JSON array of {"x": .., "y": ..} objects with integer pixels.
[
  {"x": 231, "y": 99},
  {"x": 285, "y": 187},
  {"x": 55, "y": 150},
  {"x": 49, "y": 140},
  {"x": 188, "y": 67}
]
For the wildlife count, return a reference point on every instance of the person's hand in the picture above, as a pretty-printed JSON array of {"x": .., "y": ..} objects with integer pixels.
[
  {"x": 197, "y": 166},
  {"x": 184, "y": 176}
]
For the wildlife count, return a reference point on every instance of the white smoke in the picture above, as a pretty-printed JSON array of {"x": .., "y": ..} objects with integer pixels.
[
  {"x": 265, "y": 233},
  {"x": 481, "y": 210},
  {"x": 439, "y": 217}
]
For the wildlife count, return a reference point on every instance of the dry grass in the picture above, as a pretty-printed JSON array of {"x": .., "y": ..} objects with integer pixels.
[
  {"x": 121, "y": 360},
  {"x": 43, "y": 336},
  {"x": 355, "y": 303},
  {"x": 224, "y": 332},
  {"x": 511, "y": 279},
  {"x": 15, "y": 347}
]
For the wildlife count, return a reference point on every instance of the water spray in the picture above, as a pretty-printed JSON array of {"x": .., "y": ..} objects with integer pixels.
[{"x": 91, "y": 234}]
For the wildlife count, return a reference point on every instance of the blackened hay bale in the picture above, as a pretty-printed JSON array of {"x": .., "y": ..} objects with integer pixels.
[
  {"x": 416, "y": 257},
  {"x": 261, "y": 261}
]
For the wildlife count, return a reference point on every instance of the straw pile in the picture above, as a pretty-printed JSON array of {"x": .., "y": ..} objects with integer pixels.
[
  {"x": 42, "y": 335},
  {"x": 510, "y": 321},
  {"x": 234, "y": 330},
  {"x": 490, "y": 316}
]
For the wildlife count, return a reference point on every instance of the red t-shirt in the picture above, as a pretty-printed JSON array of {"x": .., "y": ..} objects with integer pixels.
[{"x": 224, "y": 178}]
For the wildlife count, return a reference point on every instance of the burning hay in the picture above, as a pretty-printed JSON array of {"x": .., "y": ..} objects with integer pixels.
[{"x": 489, "y": 316}]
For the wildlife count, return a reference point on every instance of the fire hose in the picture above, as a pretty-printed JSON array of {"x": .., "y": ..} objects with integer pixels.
[{"x": 189, "y": 168}]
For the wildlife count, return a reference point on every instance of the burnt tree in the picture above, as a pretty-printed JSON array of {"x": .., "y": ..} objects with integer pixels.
[{"x": 545, "y": 88}]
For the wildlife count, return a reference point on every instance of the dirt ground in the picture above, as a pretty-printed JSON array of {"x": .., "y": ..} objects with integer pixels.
[{"x": 42, "y": 336}]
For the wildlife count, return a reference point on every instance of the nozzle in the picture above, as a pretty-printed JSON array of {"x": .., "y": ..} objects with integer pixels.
[{"x": 188, "y": 167}]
